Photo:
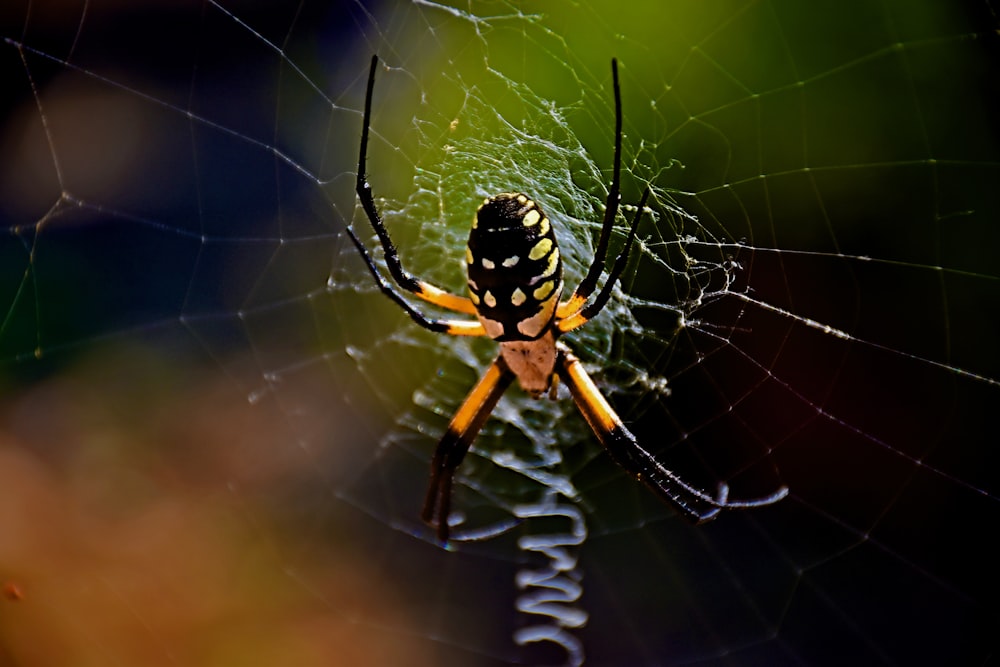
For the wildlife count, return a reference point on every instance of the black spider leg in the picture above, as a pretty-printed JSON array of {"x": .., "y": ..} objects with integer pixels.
[
  {"x": 364, "y": 190},
  {"x": 401, "y": 277},
  {"x": 594, "y": 307},
  {"x": 589, "y": 281},
  {"x": 626, "y": 451},
  {"x": 454, "y": 327},
  {"x": 455, "y": 443}
]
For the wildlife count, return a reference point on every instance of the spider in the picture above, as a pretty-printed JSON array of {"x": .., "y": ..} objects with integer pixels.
[{"x": 515, "y": 284}]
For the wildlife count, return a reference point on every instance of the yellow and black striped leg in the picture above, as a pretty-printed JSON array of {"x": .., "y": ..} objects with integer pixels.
[
  {"x": 419, "y": 288},
  {"x": 589, "y": 282},
  {"x": 462, "y": 430},
  {"x": 581, "y": 316},
  {"x": 694, "y": 503},
  {"x": 453, "y": 327}
]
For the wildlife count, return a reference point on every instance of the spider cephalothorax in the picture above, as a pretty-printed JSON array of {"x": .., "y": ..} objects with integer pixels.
[{"x": 515, "y": 286}]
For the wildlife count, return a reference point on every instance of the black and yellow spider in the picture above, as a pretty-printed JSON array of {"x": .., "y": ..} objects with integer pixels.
[{"x": 515, "y": 284}]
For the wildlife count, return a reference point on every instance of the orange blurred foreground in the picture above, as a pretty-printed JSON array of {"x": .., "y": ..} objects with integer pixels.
[{"x": 142, "y": 536}]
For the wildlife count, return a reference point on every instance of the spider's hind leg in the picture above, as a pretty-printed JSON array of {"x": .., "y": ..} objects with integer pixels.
[
  {"x": 462, "y": 430},
  {"x": 626, "y": 451}
]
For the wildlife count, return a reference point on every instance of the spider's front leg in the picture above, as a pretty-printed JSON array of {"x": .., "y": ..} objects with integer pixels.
[
  {"x": 462, "y": 430},
  {"x": 400, "y": 276}
]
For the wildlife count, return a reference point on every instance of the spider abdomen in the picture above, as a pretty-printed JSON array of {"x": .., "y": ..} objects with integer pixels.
[{"x": 514, "y": 267}]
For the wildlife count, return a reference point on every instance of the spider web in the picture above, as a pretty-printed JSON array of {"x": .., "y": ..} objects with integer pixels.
[{"x": 216, "y": 432}]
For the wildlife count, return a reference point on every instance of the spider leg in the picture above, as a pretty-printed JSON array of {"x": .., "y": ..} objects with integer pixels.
[
  {"x": 694, "y": 503},
  {"x": 419, "y": 288},
  {"x": 453, "y": 327},
  {"x": 589, "y": 282},
  {"x": 462, "y": 430},
  {"x": 580, "y": 317}
]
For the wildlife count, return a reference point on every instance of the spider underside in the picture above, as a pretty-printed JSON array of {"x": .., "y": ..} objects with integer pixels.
[{"x": 515, "y": 285}]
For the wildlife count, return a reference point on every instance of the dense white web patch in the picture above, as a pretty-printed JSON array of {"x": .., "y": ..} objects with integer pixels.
[{"x": 813, "y": 302}]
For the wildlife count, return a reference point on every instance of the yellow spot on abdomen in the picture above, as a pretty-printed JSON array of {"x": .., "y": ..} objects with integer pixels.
[
  {"x": 550, "y": 268},
  {"x": 517, "y": 297},
  {"x": 531, "y": 218},
  {"x": 543, "y": 291},
  {"x": 541, "y": 249}
]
